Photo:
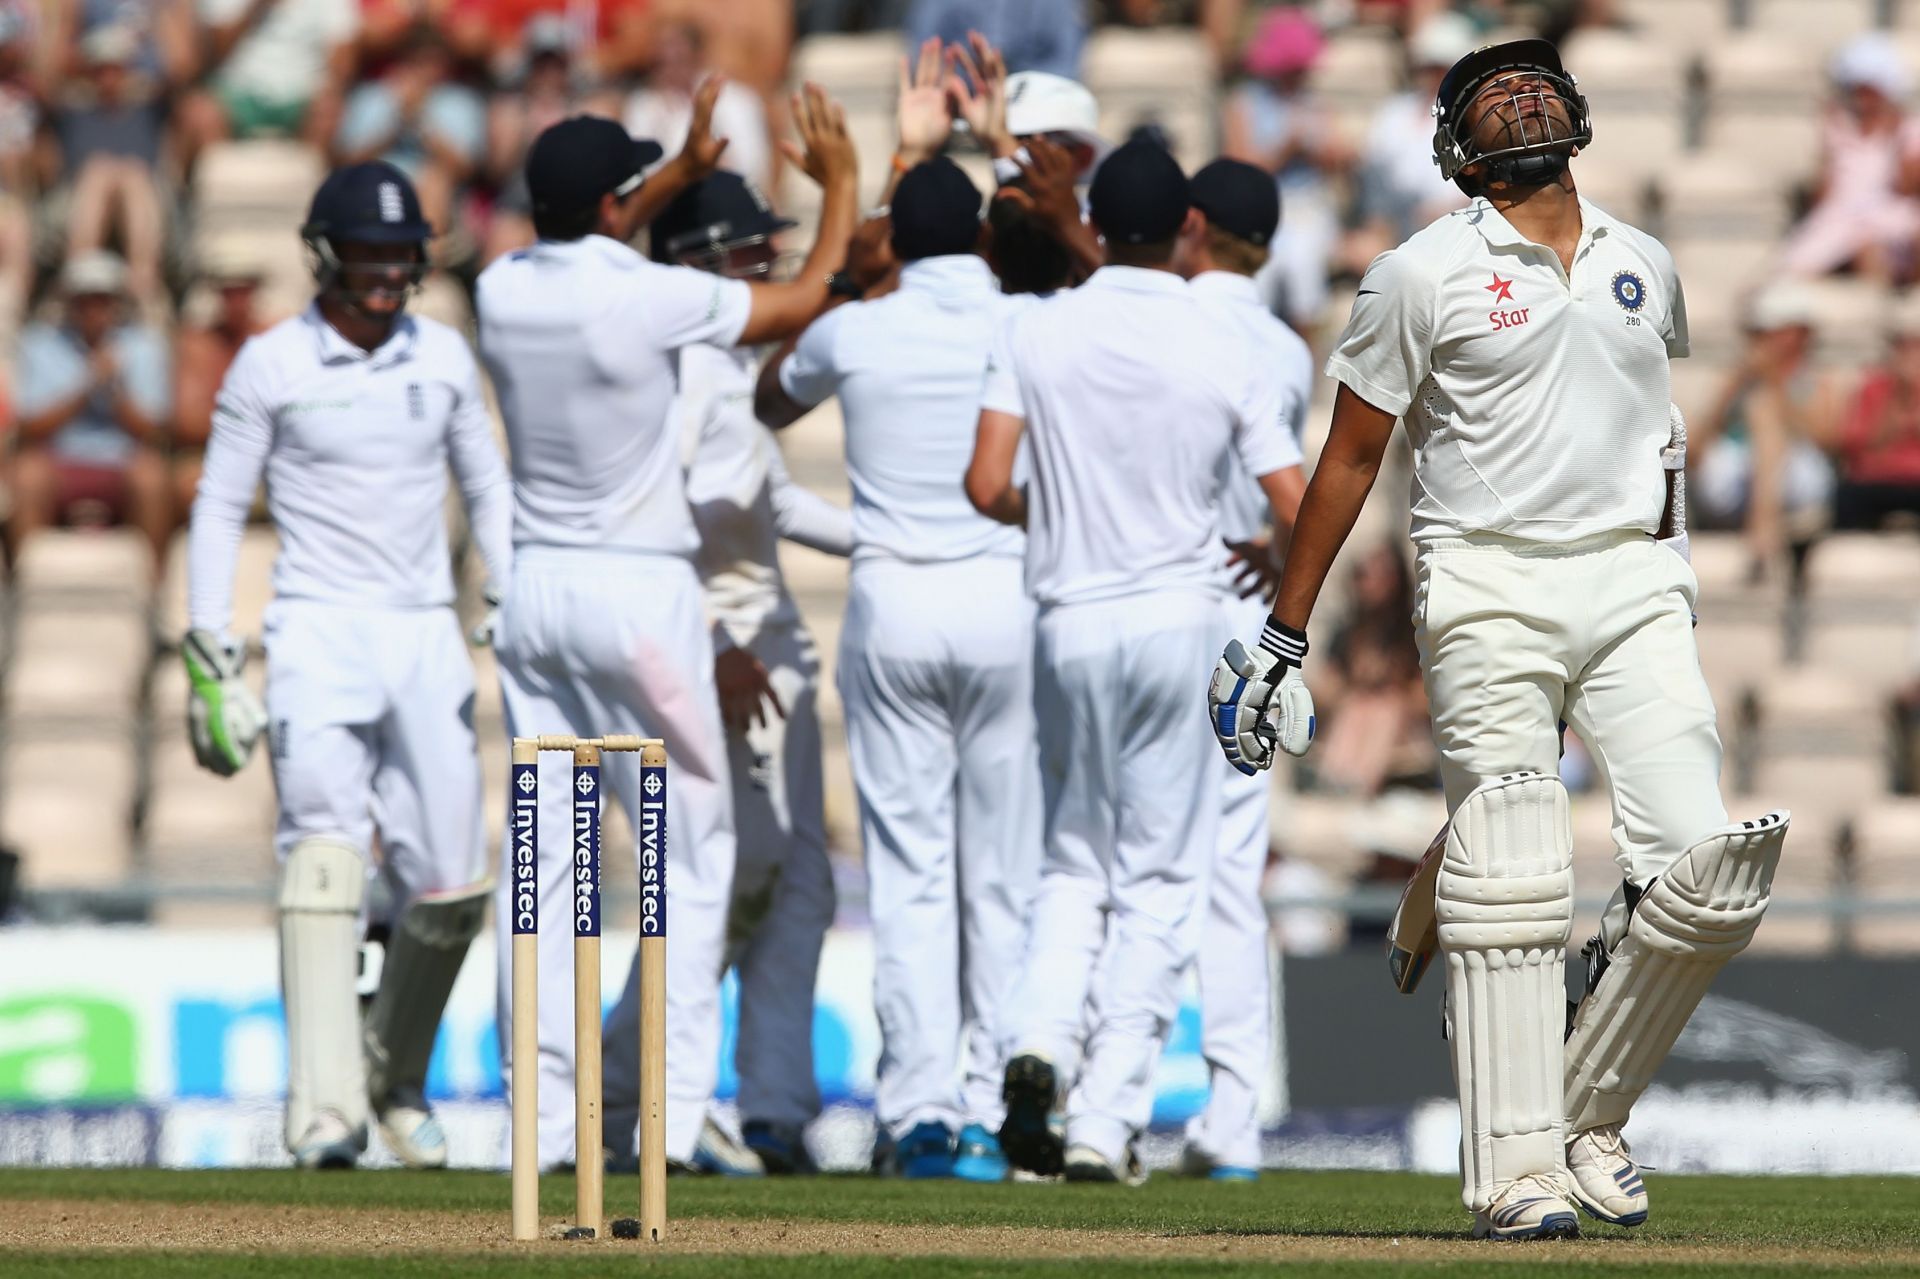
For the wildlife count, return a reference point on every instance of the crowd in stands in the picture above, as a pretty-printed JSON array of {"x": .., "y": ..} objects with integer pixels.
[{"x": 118, "y": 318}]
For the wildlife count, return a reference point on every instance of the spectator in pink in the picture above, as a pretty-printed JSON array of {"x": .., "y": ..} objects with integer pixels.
[
  {"x": 1865, "y": 214},
  {"x": 94, "y": 403},
  {"x": 1273, "y": 121},
  {"x": 1878, "y": 444}
]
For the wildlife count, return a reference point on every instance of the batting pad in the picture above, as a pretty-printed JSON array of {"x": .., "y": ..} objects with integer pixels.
[
  {"x": 423, "y": 958},
  {"x": 1687, "y": 925},
  {"x": 322, "y": 883},
  {"x": 1504, "y": 900}
]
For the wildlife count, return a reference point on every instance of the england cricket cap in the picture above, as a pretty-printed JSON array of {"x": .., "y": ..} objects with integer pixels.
[
  {"x": 1139, "y": 195},
  {"x": 575, "y": 162},
  {"x": 1239, "y": 198},
  {"x": 936, "y": 211}
]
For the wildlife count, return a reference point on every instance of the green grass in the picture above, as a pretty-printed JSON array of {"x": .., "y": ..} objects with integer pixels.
[{"x": 1738, "y": 1225}]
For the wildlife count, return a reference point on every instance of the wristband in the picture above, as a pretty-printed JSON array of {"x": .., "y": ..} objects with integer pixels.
[
  {"x": 1287, "y": 643},
  {"x": 900, "y": 163},
  {"x": 1006, "y": 170}
]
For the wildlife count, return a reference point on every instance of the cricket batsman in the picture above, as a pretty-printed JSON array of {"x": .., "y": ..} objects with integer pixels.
[
  {"x": 1525, "y": 341},
  {"x": 353, "y": 411}
]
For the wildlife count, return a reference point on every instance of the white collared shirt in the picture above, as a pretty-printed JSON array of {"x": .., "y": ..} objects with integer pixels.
[
  {"x": 1285, "y": 358},
  {"x": 1133, "y": 390},
  {"x": 743, "y": 500},
  {"x": 908, "y": 368},
  {"x": 1536, "y": 402},
  {"x": 582, "y": 338},
  {"x": 355, "y": 447}
]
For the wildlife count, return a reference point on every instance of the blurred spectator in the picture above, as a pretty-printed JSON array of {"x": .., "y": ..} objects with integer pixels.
[
  {"x": 1299, "y": 926},
  {"x": 749, "y": 41},
  {"x": 610, "y": 37},
  {"x": 205, "y": 347},
  {"x": 1877, "y": 447},
  {"x": 19, "y": 121},
  {"x": 418, "y": 117},
  {"x": 1755, "y": 452},
  {"x": 662, "y": 107},
  {"x": 547, "y": 90},
  {"x": 1864, "y": 213},
  {"x": 1374, "y": 717},
  {"x": 93, "y": 405},
  {"x": 104, "y": 152},
  {"x": 273, "y": 68},
  {"x": 1273, "y": 121},
  {"x": 1401, "y": 189},
  {"x": 827, "y": 17},
  {"x": 1032, "y": 35}
]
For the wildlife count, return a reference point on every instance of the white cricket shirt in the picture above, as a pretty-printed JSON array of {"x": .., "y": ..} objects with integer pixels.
[
  {"x": 1133, "y": 390},
  {"x": 908, "y": 368},
  {"x": 355, "y": 447},
  {"x": 582, "y": 339},
  {"x": 1536, "y": 401},
  {"x": 743, "y": 500},
  {"x": 1285, "y": 358}
]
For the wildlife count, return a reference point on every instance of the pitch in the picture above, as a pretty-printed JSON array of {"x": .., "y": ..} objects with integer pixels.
[{"x": 152, "y": 1222}]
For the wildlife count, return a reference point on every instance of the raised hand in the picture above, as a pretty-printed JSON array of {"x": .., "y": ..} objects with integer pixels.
[
  {"x": 922, "y": 115},
  {"x": 702, "y": 151},
  {"x": 825, "y": 151},
  {"x": 977, "y": 87}
]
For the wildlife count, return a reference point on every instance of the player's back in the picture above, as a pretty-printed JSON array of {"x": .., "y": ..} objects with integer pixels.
[
  {"x": 1285, "y": 359},
  {"x": 581, "y": 339},
  {"x": 909, "y": 369},
  {"x": 1131, "y": 389}
]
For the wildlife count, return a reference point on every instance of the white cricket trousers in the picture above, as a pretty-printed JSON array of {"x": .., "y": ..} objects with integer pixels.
[
  {"x": 370, "y": 728},
  {"x": 1133, "y": 799},
  {"x": 370, "y": 725},
  {"x": 1236, "y": 997},
  {"x": 1517, "y": 636},
  {"x": 781, "y": 909},
  {"x": 591, "y": 643},
  {"x": 936, "y": 675}
]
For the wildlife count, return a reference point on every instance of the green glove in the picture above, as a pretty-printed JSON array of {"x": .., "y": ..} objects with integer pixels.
[{"x": 224, "y": 718}]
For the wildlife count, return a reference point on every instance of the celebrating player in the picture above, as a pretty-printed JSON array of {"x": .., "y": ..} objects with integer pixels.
[
  {"x": 1525, "y": 340},
  {"x": 353, "y": 411},
  {"x": 768, "y": 674},
  {"x": 936, "y": 675},
  {"x": 605, "y": 629},
  {"x": 1220, "y": 252},
  {"x": 1131, "y": 392}
]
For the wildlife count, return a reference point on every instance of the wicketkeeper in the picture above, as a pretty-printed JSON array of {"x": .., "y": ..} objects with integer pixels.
[{"x": 1525, "y": 340}]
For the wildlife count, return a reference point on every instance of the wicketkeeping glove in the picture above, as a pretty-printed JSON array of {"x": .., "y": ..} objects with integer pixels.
[
  {"x": 224, "y": 718},
  {"x": 1257, "y": 699}
]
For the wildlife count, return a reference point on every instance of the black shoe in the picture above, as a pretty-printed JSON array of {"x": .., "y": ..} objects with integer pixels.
[{"x": 1029, "y": 1137}]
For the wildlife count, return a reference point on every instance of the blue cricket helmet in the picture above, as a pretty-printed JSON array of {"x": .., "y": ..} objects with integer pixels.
[{"x": 369, "y": 203}]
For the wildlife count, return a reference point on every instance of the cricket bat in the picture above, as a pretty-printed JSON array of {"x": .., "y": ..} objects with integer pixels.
[{"x": 1414, "y": 934}]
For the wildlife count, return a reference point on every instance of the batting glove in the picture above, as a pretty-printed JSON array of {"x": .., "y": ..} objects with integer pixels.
[
  {"x": 224, "y": 718},
  {"x": 1257, "y": 699}
]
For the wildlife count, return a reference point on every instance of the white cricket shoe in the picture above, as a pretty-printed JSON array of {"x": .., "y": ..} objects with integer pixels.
[
  {"x": 329, "y": 1142},
  {"x": 411, "y": 1132},
  {"x": 1084, "y": 1163},
  {"x": 1606, "y": 1181},
  {"x": 1530, "y": 1208}
]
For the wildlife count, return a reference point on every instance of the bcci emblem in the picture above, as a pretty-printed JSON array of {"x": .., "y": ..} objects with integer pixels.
[
  {"x": 585, "y": 784},
  {"x": 1629, "y": 290},
  {"x": 652, "y": 784}
]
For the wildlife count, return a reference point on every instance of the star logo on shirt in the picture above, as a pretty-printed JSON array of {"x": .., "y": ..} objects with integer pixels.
[{"x": 1502, "y": 290}]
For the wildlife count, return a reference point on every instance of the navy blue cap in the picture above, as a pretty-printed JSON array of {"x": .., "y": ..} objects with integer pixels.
[
  {"x": 370, "y": 203},
  {"x": 935, "y": 211},
  {"x": 1139, "y": 195},
  {"x": 1239, "y": 198},
  {"x": 722, "y": 208},
  {"x": 575, "y": 162}
]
